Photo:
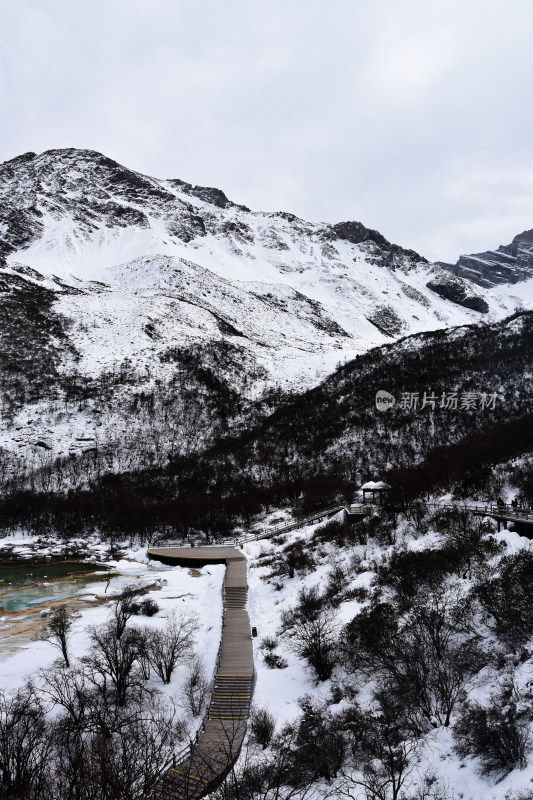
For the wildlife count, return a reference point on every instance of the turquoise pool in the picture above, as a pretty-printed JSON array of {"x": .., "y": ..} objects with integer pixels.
[{"x": 24, "y": 584}]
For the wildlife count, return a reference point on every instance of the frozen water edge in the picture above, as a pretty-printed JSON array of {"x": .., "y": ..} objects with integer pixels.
[{"x": 179, "y": 590}]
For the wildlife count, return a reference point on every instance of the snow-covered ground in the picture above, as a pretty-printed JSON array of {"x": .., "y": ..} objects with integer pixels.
[
  {"x": 198, "y": 592},
  {"x": 280, "y": 689}
]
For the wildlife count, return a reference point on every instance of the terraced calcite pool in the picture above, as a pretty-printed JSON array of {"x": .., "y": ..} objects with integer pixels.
[{"x": 25, "y": 584}]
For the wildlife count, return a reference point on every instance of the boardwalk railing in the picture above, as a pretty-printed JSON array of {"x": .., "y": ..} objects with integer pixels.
[
  {"x": 490, "y": 509},
  {"x": 285, "y": 527},
  {"x": 362, "y": 509}
]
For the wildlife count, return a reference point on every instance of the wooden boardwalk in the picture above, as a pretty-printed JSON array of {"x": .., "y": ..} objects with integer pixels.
[
  {"x": 506, "y": 513},
  {"x": 221, "y": 734},
  {"x": 199, "y": 769},
  {"x": 286, "y": 527}
]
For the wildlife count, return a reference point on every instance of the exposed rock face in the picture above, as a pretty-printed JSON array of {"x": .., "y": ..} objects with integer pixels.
[
  {"x": 456, "y": 293},
  {"x": 387, "y": 321},
  {"x": 83, "y": 186},
  {"x": 380, "y": 250},
  {"x": 510, "y": 263},
  {"x": 208, "y": 194},
  {"x": 183, "y": 263}
]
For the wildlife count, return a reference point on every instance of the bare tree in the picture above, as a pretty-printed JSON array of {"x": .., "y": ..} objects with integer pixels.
[
  {"x": 497, "y": 733},
  {"x": 113, "y": 753},
  {"x": 123, "y": 608},
  {"x": 68, "y": 689},
  {"x": 196, "y": 687},
  {"x": 271, "y": 774},
  {"x": 144, "y": 637},
  {"x": 314, "y": 639},
  {"x": 113, "y": 658},
  {"x": 172, "y": 644},
  {"x": 57, "y": 629},
  {"x": 24, "y": 744},
  {"x": 382, "y": 757},
  {"x": 425, "y": 661}
]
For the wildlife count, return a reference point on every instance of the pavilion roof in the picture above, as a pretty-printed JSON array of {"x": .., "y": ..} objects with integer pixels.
[{"x": 376, "y": 485}]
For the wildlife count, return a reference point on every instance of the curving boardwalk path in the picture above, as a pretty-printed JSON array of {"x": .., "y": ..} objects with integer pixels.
[
  {"x": 221, "y": 734},
  {"x": 199, "y": 769}
]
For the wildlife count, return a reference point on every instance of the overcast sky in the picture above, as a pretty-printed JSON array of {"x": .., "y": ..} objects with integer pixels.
[{"x": 412, "y": 116}]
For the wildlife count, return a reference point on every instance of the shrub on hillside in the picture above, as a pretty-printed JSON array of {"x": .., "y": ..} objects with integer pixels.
[
  {"x": 319, "y": 749},
  {"x": 498, "y": 734},
  {"x": 423, "y": 659},
  {"x": 262, "y": 726},
  {"x": 146, "y": 607},
  {"x": 407, "y": 571},
  {"x": 275, "y": 661},
  {"x": 335, "y": 531},
  {"x": 296, "y": 558},
  {"x": 507, "y": 597},
  {"x": 314, "y": 639}
]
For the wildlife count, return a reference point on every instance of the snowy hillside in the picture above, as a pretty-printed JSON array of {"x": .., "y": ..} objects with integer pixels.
[
  {"x": 376, "y": 592},
  {"x": 132, "y": 269},
  {"x": 407, "y": 633},
  {"x": 187, "y": 455},
  {"x": 71, "y": 211}
]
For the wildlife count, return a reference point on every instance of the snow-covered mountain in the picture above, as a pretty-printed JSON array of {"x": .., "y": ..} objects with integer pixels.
[
  {"x": 190, "y": 263},
  {"x": 130, "y": 267},
  {"x": 510, "y": 263},
  {"x": 144, "y": 328}
]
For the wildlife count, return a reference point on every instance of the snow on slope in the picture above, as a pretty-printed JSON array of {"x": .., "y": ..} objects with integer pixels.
[
  {"x": 76, "y": 211},
  {"x": 270, "y": 594},
  {"x": 174, "y": 589},
  {"x": 179, "y": 265},
  {"x": 279, "y": 689}
]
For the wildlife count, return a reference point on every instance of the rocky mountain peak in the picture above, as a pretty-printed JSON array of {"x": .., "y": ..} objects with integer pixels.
[
  {"x": 525, "y": 237},
  {"x": 70, "y": 197},
  {"x": 274, "y": 296},
  {"x": 510, "y": 263},
  {"x": 78, "y": 212}
]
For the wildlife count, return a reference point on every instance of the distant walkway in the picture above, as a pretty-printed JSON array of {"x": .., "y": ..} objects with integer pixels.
[
  {"x": 199, "y": 768},
  {"x": 505, "y": 513},
  {"x": 358, "y": 511},
  {"x": 285, "y": 527},
  {"x": 501, "y": 513}
]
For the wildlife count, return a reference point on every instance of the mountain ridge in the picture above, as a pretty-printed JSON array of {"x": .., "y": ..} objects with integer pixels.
[{"x": 137, "y": 268}]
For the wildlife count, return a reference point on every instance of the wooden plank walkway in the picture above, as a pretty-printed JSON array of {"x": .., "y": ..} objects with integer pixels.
[
  {"x": 221, "y": 734},
  {"x": 501, "y": 513},
  {"x": 266, "y": 533},
  {"x": 285, "y": 527}
]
